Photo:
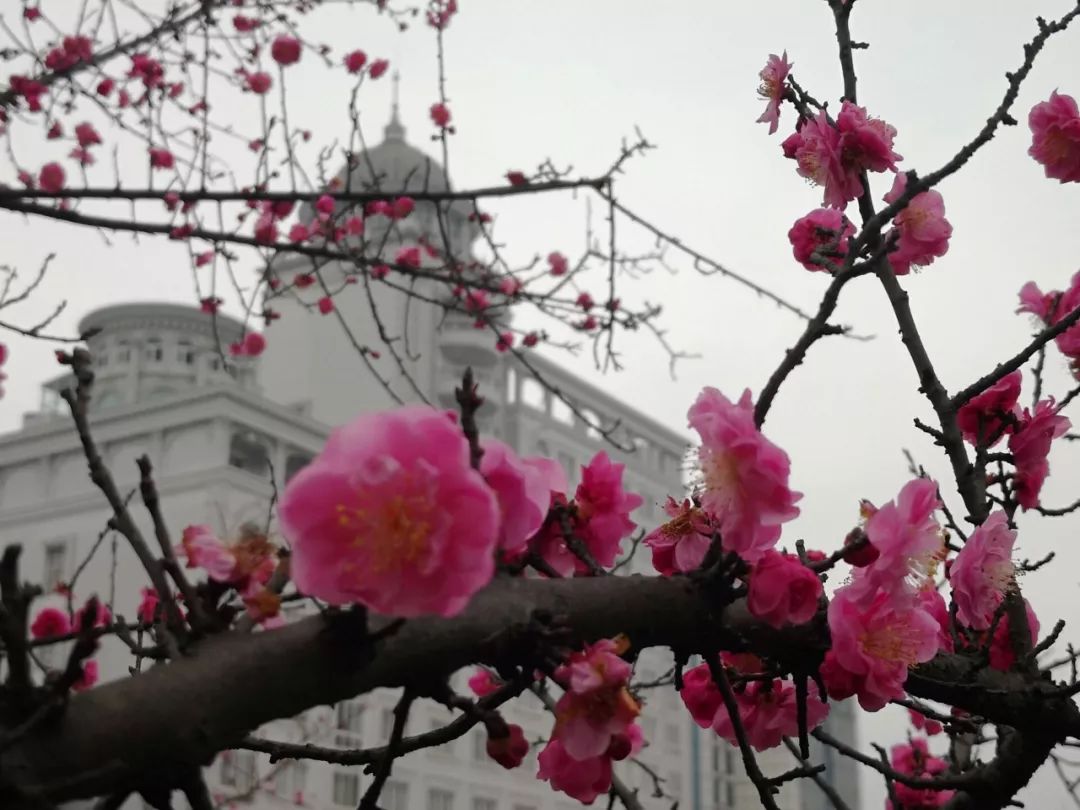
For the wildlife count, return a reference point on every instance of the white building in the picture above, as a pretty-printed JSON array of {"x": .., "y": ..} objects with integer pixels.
[{"x": 215, "y": 437}]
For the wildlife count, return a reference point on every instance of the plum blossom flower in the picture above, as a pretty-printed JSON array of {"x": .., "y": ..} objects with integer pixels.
[
  {"x": 745, "y": 476},
  {"x": 1030, "y": 447},
  {"x": 86, "y": 135},
  {"x": 1002, "y": 655},
  {"x": 1051, "y": 308},
  {"x": 355, "y": 61},
  {"x": 914, "y": 759},
  {"x": 982, "y": 571},
  {"x": 922, "y": 231},
  {"x": 483, "y": 682},
  {"x": 391, "y": 515},
  {"x": 148, "y": 605},
  {"x": 246, "y": 564},
  {"x": 88, "y": 678},
  {"x": 285, "y": 50},
  {"x": 1035, "y": 302},
  {"x": 50, "y": 622},
  {"x": 523, "y": 487},
  {"x": 259, "y": 82},
  {"x": 596, "y": 704},
  {"x": 909, "y": 544},
  {"x": 873, "y": 645},
  {"x": 768, "y": 710},
  {"x": 161, "y": 158},
  {"x": 508, "y": 750},
  {"x": 408, "y": 257},
  {"x": 836, "y": 156},
  {"x": 981, "y": 416},
  {"x": 378, "y": 68},
  {"x": 557, "y": 263},
  {"x": 583, "y": 779},
  {"x": 604, "y": 507},
  {"x": 681, "y": 543},
  {"x": 440, "y": 115},
  {"x": 51, "y": 177},
  {"x": 782, "y": 590},
  {"x": 824, "y": 231},
  {"x": 1055, "y": 130},
  {"x": 773, "y": 76},
  {"x": 923, "y": 723}
]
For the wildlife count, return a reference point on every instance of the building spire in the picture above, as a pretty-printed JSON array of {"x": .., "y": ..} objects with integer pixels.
[{"x": 395, "y": 131}]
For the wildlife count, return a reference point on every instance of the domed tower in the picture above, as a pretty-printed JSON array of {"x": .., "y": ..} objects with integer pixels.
[
  {"x": 147, "y": 350},
  {"x": 335, "y": 365}
]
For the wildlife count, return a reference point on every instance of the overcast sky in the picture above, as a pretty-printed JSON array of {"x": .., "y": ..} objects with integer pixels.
[{"x": 567, "y": 80}]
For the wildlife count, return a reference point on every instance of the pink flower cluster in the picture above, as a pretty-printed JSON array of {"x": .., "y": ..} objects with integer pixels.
[
  {"x": 599, "y": 516},
  {"x": 1030, "y": 446},
  {"x": 982, "y": 572},
  {"x": 745, "y": 476},
  {"x": 246, "y": 565},
  {"x": 914, "y": 759},
  {"x": 782, "y": 590},
  {"x": 773, "y": 78},
  {"x": 1050, "y": 308},
  {"x": 680, "y": 544},
  {"x": 835, "y": 155},
  {"x": 884, "y": 621},
  {"x": 768, "y": 709},
  {"x": 594, "y": 722}
]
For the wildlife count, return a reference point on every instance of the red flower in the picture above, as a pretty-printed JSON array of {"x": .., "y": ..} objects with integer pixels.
[{"x": 285, "y": 50}]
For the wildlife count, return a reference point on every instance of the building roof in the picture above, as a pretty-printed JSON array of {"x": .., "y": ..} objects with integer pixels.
[{"x": 161, "y": 315}]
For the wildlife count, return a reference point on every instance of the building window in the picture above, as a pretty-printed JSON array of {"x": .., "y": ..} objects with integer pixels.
[
  {"x": 349, "y": 724},
  {"x": 238, "y": 770},
  {"x": 346, "y": 788},
  {"x": 395, "y": 796},
  {"x": 56, "y": 556},
  {"x": 511, "y": 386},
  {"x": 184, "y": 353},
  {"x": 154, "y": 352},
  {"x": 123, "y": 352},
  {"x": 295, "y": 463},
  {"x": 483, "y": 803},
  {"x": 562, "y": 412},
  {"x": 248, "y": 452},
  {"x": 438, "y": 799}
]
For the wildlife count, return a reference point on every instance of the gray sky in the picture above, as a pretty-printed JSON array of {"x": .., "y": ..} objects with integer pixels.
[{"x": 568, "y": 80}]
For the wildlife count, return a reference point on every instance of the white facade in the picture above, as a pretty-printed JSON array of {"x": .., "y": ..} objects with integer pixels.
[{"x": 214, "y": 437}]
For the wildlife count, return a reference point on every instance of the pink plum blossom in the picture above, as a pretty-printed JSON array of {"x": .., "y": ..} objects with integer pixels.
[
  {"x": 909, "y": 544},
  {"x": 1055, "y": 130},
  {"x": 923, "y": 723},
  {"x": 51, "y": 177},
  {"x": 523, "y": 488},
  {"x": 746, "y": 492},
  {"x": 914, "y": 759},
  {"x": 873, "y": 645},
  {"x": 835, "y": 156},
  {"x": 88, "y": 678},
  {"x": 981, "y": 416},
  {"x": 50, "y": 622},
  {"x": 1036, "y": 302},
  {"x": 1052, "y": 307},
  {"x": 680, "y": 544},
  {"x": 509, "y": 750},
  {"x": 922, "y": 231},
  {"x": 246, "y": 564},
  {"x": 768, "y": 710},
  {"x": 783, "y": 590},
  {"x": 773, "y": 76},
  {"x": 355, "y": 61},
  {"x": 825, "y": 231},
  {"x": 148, "y": 606},
  {"x": 391, "y": 515},
  {"x": 1030, "y": 447},
  {"x": 483, "y": 682},
  {"x": 604, "y": 507},
  {"x": 596, "y": 704},
  {"x": 285, "y": 50},
  {"x": 1002, "y": 656},
  {"x": 982, "y": 571}
]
